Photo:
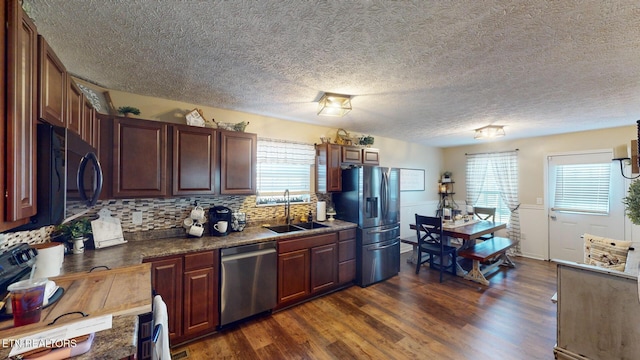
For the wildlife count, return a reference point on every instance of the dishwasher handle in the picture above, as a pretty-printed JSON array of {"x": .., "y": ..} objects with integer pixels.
[{"x": 246, "y": 255}]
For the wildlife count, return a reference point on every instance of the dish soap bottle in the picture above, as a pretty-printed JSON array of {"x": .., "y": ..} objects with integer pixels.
[{"x": 310, "y": 217}]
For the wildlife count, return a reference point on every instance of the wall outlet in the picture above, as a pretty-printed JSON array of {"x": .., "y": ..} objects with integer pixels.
[
  {"x": 136, "y": 218},
  {"x": 539, "y": 201}
]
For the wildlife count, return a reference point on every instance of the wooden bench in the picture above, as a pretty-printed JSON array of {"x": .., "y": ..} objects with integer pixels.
[
  {"x": 413, "y": 242},
  {"x": 490, "y": 249}
]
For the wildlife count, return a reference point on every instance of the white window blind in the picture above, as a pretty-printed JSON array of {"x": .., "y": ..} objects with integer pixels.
[
  {"x": 283, "y": 165},
  {"x": 582, "y": 188}
]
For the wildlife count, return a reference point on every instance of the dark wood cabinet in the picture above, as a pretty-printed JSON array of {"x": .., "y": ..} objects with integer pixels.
[
  {"x": 20, "y": 105},
  {"x": 354, "y": 155},
  {"x": 52, "y": 89},
  {"x": 139, "y": 158},
  {"x": 75, "y": 105},
  {"x": 238, "y": 153},
  {"x": 328, "y": 171},
  {"x": 307, "y": 266},
  {"x": 166, "y": 280},
  {"x": 346, "y": 256},
  {"x": 293, "y": 275},
  {"x": 324, "y": 270},
  {"x": 370, "y": 156},
  {"x": 189, "y": 285},
  {"x": 194, "y": 160},
  {"x": 88, "y": 129}
]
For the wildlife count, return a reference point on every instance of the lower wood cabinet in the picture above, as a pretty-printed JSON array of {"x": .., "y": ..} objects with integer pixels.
[
  {"x": 307, "y": 266},
  {"x": 189, "y": 286},
  {"x": 346, "y": 256}
]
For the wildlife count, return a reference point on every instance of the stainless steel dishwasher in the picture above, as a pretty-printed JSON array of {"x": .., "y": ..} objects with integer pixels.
[{"x": 248, "y": 281}]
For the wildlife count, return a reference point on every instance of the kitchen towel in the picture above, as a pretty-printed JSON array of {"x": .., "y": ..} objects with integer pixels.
[
  {"x": 321, "y": 211},
  {"x": 161, "y": 349},
  {"x": 49, "y": 260}
]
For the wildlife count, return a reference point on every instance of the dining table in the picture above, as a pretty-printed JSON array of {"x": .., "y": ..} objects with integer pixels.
[{"x": 467, "y": 232}]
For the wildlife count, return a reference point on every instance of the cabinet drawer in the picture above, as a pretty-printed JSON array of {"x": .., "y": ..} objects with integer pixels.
[
  {"x": 347, "y": 234},
  {"x": 199, "y": 260},
  {"x": 306, "y": 242},
  {"x": 346, "y": 250}
]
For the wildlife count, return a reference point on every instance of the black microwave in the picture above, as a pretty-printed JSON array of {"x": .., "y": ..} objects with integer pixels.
[{"x": 69, "y": 177}]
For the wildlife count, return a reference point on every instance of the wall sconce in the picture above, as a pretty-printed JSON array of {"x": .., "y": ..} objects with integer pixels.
[
  {"x": 621, "y": 154},
  {"x": 334, "y": 104},
  {"x": 489, "y": 132}
]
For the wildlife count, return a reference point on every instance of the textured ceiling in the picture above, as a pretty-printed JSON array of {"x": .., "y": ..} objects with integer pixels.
[{"x": 423, "y": 71}]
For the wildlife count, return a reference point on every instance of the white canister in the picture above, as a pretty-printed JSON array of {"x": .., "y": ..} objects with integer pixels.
[
  {"x": 321, "y": 211},
  {"x": 49, "y": 260}
]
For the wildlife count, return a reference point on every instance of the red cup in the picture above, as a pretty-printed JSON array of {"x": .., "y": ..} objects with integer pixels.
[{"x": 26, "y": 301}]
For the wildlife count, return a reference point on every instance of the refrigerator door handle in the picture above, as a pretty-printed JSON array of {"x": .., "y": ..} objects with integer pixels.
[
  {"x": 385, "y": 230},
  {"x": 385, "y": 195},
  {"x": 381, "y": 247}
]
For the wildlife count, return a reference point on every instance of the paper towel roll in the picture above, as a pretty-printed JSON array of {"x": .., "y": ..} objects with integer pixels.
[
  {"x": 49, "y": 260},
  {"x": 321, "y": 211}
]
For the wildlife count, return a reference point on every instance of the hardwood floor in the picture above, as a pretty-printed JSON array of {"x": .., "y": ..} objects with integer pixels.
[{"x": 406, "y": 317}]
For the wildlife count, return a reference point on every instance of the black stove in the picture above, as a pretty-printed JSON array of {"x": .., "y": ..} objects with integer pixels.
[{"x": 15, "y": 264}]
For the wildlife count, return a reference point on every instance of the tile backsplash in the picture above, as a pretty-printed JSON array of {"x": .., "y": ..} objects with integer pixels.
[{"x": 164, "y": 214}]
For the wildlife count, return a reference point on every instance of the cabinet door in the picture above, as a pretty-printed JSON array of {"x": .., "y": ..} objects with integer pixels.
[
  {"x": 166, "y": 280},
  {"x": 324, "y": 267},
  {"x": 194, "y": 159},
  {"x": 53, "y": 86},
  {"x": 293, "y": 275},
  {"x": 328, "y": 172},
  {"x": 370, "y": 156},
  {"x": 351, "y": 155},
  {"x": 88, "y": 127},
  {"x": 139, "y": 158},
  {"x": 21, "y": 113},
  {"x": 75, "y": 104},
  {"x": 200, "y": 300},
  {"x": 238, "y": 163}
]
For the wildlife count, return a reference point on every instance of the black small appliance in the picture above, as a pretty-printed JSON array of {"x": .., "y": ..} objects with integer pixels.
[{"x": 219, "y": 213}]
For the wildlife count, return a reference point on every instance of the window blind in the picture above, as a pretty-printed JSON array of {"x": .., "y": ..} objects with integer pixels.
[
  {"x": 283, "y": 165},
  {"x": 582, "y": 188}
]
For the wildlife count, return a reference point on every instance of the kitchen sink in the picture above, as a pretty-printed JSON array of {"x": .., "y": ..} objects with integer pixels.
[
  {"x": 311, "y": 225},
  {"x": 284, "y": 228},
  {"x": 296, "y": 227}
]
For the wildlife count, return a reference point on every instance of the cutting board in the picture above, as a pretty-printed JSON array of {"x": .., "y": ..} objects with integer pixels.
[
  {"x": 107, "y": 230},
  {"x": 121, "y": 291}
]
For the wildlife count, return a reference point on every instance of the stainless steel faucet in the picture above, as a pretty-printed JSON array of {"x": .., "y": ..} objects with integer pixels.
[{"x": 287, "y": 207}]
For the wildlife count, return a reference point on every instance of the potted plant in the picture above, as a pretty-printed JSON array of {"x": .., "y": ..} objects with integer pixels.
[
  {"x": 77, "y": 232},
  {"x": 632, "y": 202},
  {"x": 366, "y": 140},
  {"x": 126, "y": 110}
]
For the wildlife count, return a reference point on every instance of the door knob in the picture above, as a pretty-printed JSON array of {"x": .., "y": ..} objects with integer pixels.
[{"x": 553, "y": 217}]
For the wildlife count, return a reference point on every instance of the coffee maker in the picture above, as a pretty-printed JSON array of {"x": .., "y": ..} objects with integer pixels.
[{"x": 216, "y": 214}]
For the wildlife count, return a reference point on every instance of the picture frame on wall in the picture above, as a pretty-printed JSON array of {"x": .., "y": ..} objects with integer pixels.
[{"x": 412, "y": 179}]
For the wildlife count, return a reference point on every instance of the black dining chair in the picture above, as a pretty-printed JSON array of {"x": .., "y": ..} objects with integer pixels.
[
  {"x": 431, "y": 241},
  {"x": 485, "y": 213}
]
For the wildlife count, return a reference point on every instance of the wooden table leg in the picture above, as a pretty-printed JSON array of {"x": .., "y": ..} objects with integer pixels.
[{"x": 476, "y": 275}]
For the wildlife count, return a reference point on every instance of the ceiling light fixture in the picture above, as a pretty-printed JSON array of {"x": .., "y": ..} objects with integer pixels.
[
  {"x": 334, "y": 104},
  {"x": 489, "y": 132}
]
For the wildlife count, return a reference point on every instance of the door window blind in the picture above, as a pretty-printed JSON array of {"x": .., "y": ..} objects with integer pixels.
[
  {"x": 283, "y": 165},
  {"x": 582, "y": 188}
]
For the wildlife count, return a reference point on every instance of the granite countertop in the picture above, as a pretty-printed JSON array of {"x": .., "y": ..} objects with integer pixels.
[{"x": 147, "y": 246}]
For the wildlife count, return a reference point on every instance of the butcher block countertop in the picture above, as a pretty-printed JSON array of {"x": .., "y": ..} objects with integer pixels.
[{"x": 119, "y": 292}]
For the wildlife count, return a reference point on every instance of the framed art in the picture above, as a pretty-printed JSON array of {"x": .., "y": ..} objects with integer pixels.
[{"x": 411, "y": 179}]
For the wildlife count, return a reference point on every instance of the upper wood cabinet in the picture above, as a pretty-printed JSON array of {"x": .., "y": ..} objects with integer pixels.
[
  {"x": 354, "y": 155},
  {"x": 238, "y": 153},
  {"x": 21, "y": 55},
  {"x": 328, "y": 172},
  {"x": 52, "y": 89},
  {"x": 194, "y": 160},
  {"x": 88, "y": 128},
  {"x": 75, "y": 105},
  {"x": 139, "y": 158}
]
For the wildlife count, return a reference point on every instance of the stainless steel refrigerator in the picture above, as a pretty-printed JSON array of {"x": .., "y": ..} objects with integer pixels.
[{"x": 370, "y": 197}]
